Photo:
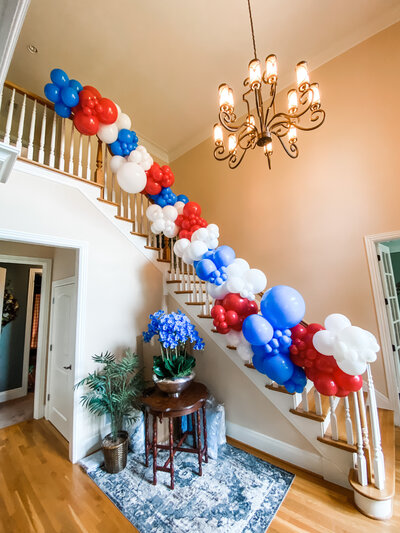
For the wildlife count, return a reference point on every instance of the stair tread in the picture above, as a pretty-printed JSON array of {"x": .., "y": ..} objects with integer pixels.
[
  {"x": 205, "y": 316},
  {"x": 311, "y": 412},
  {"x": 386, "y": 422},
  {"x": 279, "y": 388}
]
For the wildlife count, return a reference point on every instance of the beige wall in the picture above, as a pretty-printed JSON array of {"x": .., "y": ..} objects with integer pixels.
[{"x": 303, "y": 222}]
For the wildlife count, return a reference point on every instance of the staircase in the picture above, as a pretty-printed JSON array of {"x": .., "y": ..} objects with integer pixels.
[{"x": 353, "y": 440}]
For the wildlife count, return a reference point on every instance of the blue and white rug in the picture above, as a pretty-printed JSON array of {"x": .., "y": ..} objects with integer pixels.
[{"x": 237, "y": 493}]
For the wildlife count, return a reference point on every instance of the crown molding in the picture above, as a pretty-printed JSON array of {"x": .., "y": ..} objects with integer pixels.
[{"x": 153, "y": 148}]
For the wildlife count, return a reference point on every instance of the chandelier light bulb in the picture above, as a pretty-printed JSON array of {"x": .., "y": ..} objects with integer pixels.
[
  {"x": 293, "y": 103},
  {"x": 232, "y": 142},
  {"x": 316, "y": 98},
  {"x": 303, "y": 78},
  {"x": 292, "y": 135},
  {"x": 255, "y": 73},
  {"x": 225, "y": 96},
  {"x": 218, "y": 135},
  {"x": 271, "y": 69},
  {"x": 268, "y": 148},
  {"x": 251, "y": 121}
]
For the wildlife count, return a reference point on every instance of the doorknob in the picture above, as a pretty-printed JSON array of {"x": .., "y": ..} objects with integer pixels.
[{"x": 67, "y": 367}]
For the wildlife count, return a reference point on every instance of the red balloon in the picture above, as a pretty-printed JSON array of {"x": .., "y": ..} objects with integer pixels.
[
  {"x": 325, "y": 384},
  {"x": 184, "y": 234},
  {"x": 93, "y": 90},
  {"x": 346, "y": 381},
  {"x": 153, "y": 188},
  {"x": 87, "y": 125},
  {"x": 108, "y": 111},
  {"x": 192, "y": 208},
  {"x": 231, "y": 318},
  {"x": 299, "y": 331},
  {"x": 87, "y": 98}
]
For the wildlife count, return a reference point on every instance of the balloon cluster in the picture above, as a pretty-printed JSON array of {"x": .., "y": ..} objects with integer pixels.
[
  {"x": 165, "y": 197},
  {"x": 63, "y": 92},
  {"x": 203, "y": 240},
  {"x": 158, "y": 178},
  {"x": 237, "y": 340},
  {"x": 190, "y": 220},
  {"x": 230, "y": 312},
  {"x": 241, "y": 279},
  {"x": 130, "y": 170},
  {"x": 93, "y": 111},
  {"x": 163, "y": 219},
  {"x": 269, "y": 334},
  {"x": 212, "y": 266},
  {"x": 321, "y": 369},
  {"x": 351, "y": 346},
  {"x": 125, "y": 143}
]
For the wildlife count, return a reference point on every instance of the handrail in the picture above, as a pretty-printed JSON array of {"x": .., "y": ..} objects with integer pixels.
[{"x": 29, "y": 94}]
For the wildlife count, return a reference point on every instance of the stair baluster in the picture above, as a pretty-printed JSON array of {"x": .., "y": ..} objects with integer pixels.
[
  {"x": 378, "y": 461},
  {"x": 32, "y": 132},
  {"x": 88, "y": 160},
  {"x": 61, "y": 164},
  {"x": 333, "y": 418},
  {"x": 304, "y": 396},
  {"x": 349, "y": 423},
  {"x": 52, "y": 156},
  {"x": 80, "y": 168},
  {"x": 361, "y": 462},
  {"x": 71, "y": 151},
  {"x": 43, "y": 137},
  {"x": 99, "y": 172},
  {"x": 364, "y": 431},
  {"x": 21, "y": 125},
  {"x": 7, "y": 136}
]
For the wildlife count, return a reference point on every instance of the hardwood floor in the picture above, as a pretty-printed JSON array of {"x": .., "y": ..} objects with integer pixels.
[
  {"x": 42, "y": 492},
  {"x": 16, "y": 411}
]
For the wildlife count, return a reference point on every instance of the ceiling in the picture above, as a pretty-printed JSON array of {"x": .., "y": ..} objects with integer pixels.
[{"x": 162, "y": 61}]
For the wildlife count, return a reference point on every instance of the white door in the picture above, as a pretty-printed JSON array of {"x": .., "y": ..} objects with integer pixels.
[
  {"x": 391, "y": 304},
  {"x": 3, "y": 272},
  {"x": 62, "y": 357}
]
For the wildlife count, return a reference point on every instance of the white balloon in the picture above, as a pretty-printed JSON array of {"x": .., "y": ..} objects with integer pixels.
[
  {"x": 213, "y": 229},
  {"x": 323, "y": 342},
  {"x": 135, "y": 157},
  {"x": 354, "y": 368},
  {"x": 131, "y": 178},
  {"x": 123, "y": 122},
  {"x": 170, "y": 213},
  {"x": 197, "y": 250},
  {"x": 213, "y": 243},
  {"x": 147, "y": 162},
  {"x": 118, "y": 109},
  {"x": 235, "y": 284},
  {"x": 179, "y": 207},
  {"x": 153, "y": 212},
  {"x": 233, "y": 337},
  {"x": 171, "y": 231},
  {"x": 116, "y": 162},
  {"x": 238, "y": 267},
  {"x": 108, "y": 133},
  {"x": 336, "y": 322},
  {"x": 186, "y": 256},
  {"x": 256, "y": 280},
  {"x": 244, "y": 351},
  {"x": 180, "y": 246},
  {"x": 217, "y": 291},
  {"x": 159, "y": 225}
]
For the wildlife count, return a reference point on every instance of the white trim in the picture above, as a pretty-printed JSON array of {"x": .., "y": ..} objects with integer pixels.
[
  {"x": 75, "y": 448},
  {"x": 377, "y": 509},
  {"x": 276, "y": 448},
  {"x": 38, "y": 403},
  {"x": 13, "y": 19},
  {"x": 11, "y": 394},
  {"x": 28, "y": 327},
  {"x": 370, "y": 242}
]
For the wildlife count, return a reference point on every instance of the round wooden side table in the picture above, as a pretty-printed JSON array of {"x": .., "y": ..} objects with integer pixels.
[{"x": 189, "y": 403}]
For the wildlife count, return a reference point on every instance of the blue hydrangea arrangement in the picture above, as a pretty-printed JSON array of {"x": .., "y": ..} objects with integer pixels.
[{"x": 175, "y": 334}]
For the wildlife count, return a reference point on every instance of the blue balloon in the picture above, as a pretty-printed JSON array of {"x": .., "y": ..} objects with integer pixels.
[
  {"x": 297, "y": 382},
  {"x": 224, "y": 256},
  {"x": 62, "y": 110},
  {"x": 59, "y": 77},
  {"x": 52, "y": 92},
  {"x": 283, "y": 307},
  {"x": 182, "y": 198},
  {"x": 257, "y": 330},
  {"x": 205, "y": 268},
  {"x": 125, "y": 136},
  {"x": 258, "y": 362},
  {"x": 279, "y": 368},
  {"x": 75, "y": 84},
  {"x": 69, "y": 96},
  {"x": 263, "y": 350},
  {"x": 116, "y": 148}
]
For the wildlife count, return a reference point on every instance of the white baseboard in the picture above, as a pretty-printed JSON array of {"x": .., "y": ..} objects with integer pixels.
[
  {"x": 276, "y": 448},
  {"x": 12, "y": 394}
]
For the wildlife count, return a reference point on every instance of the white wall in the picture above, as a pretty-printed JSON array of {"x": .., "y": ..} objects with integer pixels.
[{"x": 123, "y": 286}]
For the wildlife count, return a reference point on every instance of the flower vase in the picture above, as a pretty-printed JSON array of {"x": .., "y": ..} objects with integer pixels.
[{"x": 174, "y": 386}]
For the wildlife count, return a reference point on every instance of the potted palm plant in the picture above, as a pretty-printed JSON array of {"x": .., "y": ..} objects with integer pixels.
[
  {"x": 173, "y": 369},
  {"x": 114, "y": 390}
]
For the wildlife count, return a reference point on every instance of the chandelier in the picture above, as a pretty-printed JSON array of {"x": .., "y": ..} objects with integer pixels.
[{"x": 266, "y": 127}]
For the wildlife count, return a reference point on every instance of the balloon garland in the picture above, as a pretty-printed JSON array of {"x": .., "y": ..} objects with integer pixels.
[{"x": 289, "y": 353}]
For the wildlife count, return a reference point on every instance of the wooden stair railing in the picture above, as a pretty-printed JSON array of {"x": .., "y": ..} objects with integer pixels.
[{"x": 346, "y": 423}]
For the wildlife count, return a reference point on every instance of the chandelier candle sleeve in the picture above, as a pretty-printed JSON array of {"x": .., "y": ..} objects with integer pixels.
[
  {"x": 316, "y": 99},
  {"x": 292, "y": 101},
  {"x": 271, "y": 69},
  {"x": 292, "y": 135},
  {"x": 303, "y": 78},
  {"x": 232, "y": 142},
  {"x": 225, "y": 96},
  {"x": 255, "y": 73},
  {"x": 218, "y": 135}
]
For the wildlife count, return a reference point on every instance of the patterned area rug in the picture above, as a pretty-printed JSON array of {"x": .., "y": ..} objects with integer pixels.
[{"x": 237, "y": 493}]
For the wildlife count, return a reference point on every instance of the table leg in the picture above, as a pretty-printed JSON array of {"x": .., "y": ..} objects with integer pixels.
[
  {"x": 171, "y": 451},
  {"x": 147, "y": 439},
  {"x": 203, "y": 410},
  {"x": 154, "y": 450},
  {"x": 193, "y": 430},
  {"x": 199, "y": 441}
]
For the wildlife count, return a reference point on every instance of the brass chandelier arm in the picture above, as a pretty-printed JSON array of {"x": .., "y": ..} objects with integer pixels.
[
  {"x": 270, "y": 105},
  {"x": 233, "y": 159},
  {"x": 293, "y": 151},
  {"x": 227, "y": 121}
]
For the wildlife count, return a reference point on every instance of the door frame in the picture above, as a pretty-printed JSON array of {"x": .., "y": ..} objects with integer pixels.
[
  {"x": 371, "y": 242},
  {"x": 46, "y": 266},
  {"x": 58, "y": 283},
  {"x": 82, "y": 249}
]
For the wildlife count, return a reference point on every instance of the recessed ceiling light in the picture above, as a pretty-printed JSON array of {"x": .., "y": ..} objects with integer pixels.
[{"x": 32, "y": 49}]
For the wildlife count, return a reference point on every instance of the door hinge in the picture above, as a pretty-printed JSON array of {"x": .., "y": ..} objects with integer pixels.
[
  {"x": 53, "y": 296},
  {"x": 379, "y": 258},
  {"x": 48, "y": 397},
  {"x": 51, "y": 347},
  {"x": 393, "y": 348},
  {"x": 386, "y": 301}
]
